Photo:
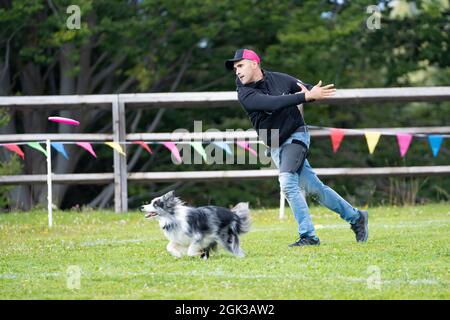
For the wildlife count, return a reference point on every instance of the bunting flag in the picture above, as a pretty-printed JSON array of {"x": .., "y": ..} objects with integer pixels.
[
  {"x": 60, "y": 148},
  {"x": 16, "y": 149},
  {"x": 245, "y": 145},
  {"x": 37, "y": 146},
  {"x": 88, "y": 147},
  {"x": 372, "y": 140},
  {"x": 199, "y": 148},
  {"x": 143, "y": 145},
  {"x": 116, "y": 147},
  {"x": 173, "y": 148},
  {"x": 337, "y": 135},
  {"x": 435, "y": 141},
  {"x": 404, "y": 140},
  {"x": 224, "y": 146}
]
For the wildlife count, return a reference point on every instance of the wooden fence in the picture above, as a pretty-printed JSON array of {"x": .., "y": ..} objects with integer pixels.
[{"x": 121, "y": 102}]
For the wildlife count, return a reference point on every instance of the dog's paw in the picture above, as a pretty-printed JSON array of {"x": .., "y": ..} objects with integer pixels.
[
  {"x": 205, "y": 255},
  {"x": 174, "y": 250},
  {"x": 240, "y": 254},
  {"x": 175, "y": 254}
]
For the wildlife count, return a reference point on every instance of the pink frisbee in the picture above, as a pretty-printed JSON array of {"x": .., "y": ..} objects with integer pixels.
[{"x": 64, "y": 120}]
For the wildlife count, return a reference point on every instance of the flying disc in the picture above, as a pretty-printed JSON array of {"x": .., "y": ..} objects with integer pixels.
[{"x": 64, "y": 120}]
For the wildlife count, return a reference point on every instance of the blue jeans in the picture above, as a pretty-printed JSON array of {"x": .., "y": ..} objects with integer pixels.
[{"x": 305, "y": 179}]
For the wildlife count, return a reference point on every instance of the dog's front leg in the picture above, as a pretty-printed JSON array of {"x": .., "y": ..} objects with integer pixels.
[
  {"x": 174, "y": 249},
  {"x": 195, "y": 250}
]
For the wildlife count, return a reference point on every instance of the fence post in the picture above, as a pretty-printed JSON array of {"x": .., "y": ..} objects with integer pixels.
[
  {"x": 49, "y": 184},
  {"x": 120, "y": 161}
]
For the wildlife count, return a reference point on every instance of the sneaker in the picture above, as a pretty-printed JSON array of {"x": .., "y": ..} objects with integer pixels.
[
  {"x": 306, "y": 241},
  {"x": 360, "y": 227}
]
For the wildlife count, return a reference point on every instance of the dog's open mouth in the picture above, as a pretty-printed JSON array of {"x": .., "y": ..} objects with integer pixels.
[{"x": 151, "y": 214}]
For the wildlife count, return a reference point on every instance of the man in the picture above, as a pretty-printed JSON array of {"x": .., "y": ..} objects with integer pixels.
[{"x": 271, "y": 101}]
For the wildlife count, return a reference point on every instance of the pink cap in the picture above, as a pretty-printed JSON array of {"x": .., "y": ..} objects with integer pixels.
[
  {"x": 250, "y": 55},
  {"x": 242, "y": 54}
]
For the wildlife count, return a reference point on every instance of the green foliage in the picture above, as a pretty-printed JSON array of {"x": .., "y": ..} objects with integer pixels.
[
  {"x": 13, "y": 166},
  {"x": 155, "y": 43},
  {"x": 4, "y": 117},
  {"x": 123, "y": 256}
]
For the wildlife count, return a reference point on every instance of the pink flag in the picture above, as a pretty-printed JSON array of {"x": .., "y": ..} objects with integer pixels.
[
  {"x": 15, "y": 148},
  {"x": 143, "y": 145},
  {"x": 404, "y": 140},
  {"x": 88, "y": 147},
  {"x": 173, "y": 148},
  {"x": 246, "y": 146},
  {"x": 337, "y": 135}
]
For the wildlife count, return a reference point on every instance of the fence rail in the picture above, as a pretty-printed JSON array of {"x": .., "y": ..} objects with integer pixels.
[
  {"x": 226, "y": 98},
  {"x": 203, "y": 136},
  {"x": 121, "y": 102},
  {"x": 105, "y": 178}
]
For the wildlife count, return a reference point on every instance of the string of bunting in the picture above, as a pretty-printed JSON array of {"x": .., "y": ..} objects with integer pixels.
[
  {"x": 372, "y": 138},
  {"x": 336, "y": 134}
]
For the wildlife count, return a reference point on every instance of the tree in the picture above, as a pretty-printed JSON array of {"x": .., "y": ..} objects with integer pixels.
[
  {"x": 134, "y": 46},
  {"x": 161, "y": 46}
]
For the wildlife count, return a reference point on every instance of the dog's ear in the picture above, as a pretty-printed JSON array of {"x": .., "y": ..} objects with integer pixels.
[
  {"x": 169, "y": 195},
  {"x": 241, "y": 206}
]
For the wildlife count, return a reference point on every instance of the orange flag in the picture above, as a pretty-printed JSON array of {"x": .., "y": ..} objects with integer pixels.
[
  {"x": 15, "y": 148},
  {"x": 337, "y": 135},
  {"x": 143, "y": 145}
]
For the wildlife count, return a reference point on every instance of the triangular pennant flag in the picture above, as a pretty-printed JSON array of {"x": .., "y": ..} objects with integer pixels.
[
  {"x": 372, "y": 140},
  {"x": 16, "y": 149},
  {"x": 143, "y": 145},
  {"x": 404, "y": 140},
  {"x": 88, "y": 147},
  {"x": 60, "y": 148},
  {"x": 173, "y": 148},
  {"x": 252, "y": 151},
  {"x": 246, "y": 146},
  {"x": 224, "y": 146},
  {"x": 435, "y": 141},
  {"x": 337, "y": 135},
  {"x": 115, "y": 146},
  {"x": 37, "y": 146},
  {"x": 199, "y": 148}
]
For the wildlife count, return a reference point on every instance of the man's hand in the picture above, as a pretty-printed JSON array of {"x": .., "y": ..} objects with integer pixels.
[{"x": 318, "y": 92}]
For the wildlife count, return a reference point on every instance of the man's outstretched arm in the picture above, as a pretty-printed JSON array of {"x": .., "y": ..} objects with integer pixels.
[
  {"x": 254, "y": 101},
  {"x": 318, "y": 92}
]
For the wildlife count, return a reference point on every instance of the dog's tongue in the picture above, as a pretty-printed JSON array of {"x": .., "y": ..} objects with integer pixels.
[{"x": 150, "y": 214}]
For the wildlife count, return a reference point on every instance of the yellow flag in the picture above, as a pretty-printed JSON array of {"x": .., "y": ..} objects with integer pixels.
[
  {"x": 115, "y": 146},
  {"x": 372, "y": 140}
]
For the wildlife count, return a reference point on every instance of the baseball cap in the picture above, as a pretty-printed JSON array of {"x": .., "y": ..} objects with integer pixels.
[{"x": 242, "y": 54}]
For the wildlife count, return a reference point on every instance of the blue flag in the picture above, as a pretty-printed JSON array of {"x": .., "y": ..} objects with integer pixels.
[
  {"x": 224, "y": 146},
  {"x": 60, "y": 148},
  {"x": 435, "y": 141}
]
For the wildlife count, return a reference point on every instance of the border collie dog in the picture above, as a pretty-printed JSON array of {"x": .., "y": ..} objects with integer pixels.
[{"x": 197, "y": 231}]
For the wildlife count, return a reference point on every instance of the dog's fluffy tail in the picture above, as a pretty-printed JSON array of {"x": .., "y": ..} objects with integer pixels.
[{"x": 243, "y": 212}]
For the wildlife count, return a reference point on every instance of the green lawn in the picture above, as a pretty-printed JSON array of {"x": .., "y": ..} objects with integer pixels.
[{"x": 123, "y": 256}]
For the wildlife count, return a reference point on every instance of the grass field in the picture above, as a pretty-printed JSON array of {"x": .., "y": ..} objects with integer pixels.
[{"x": 123, "y": 256}]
